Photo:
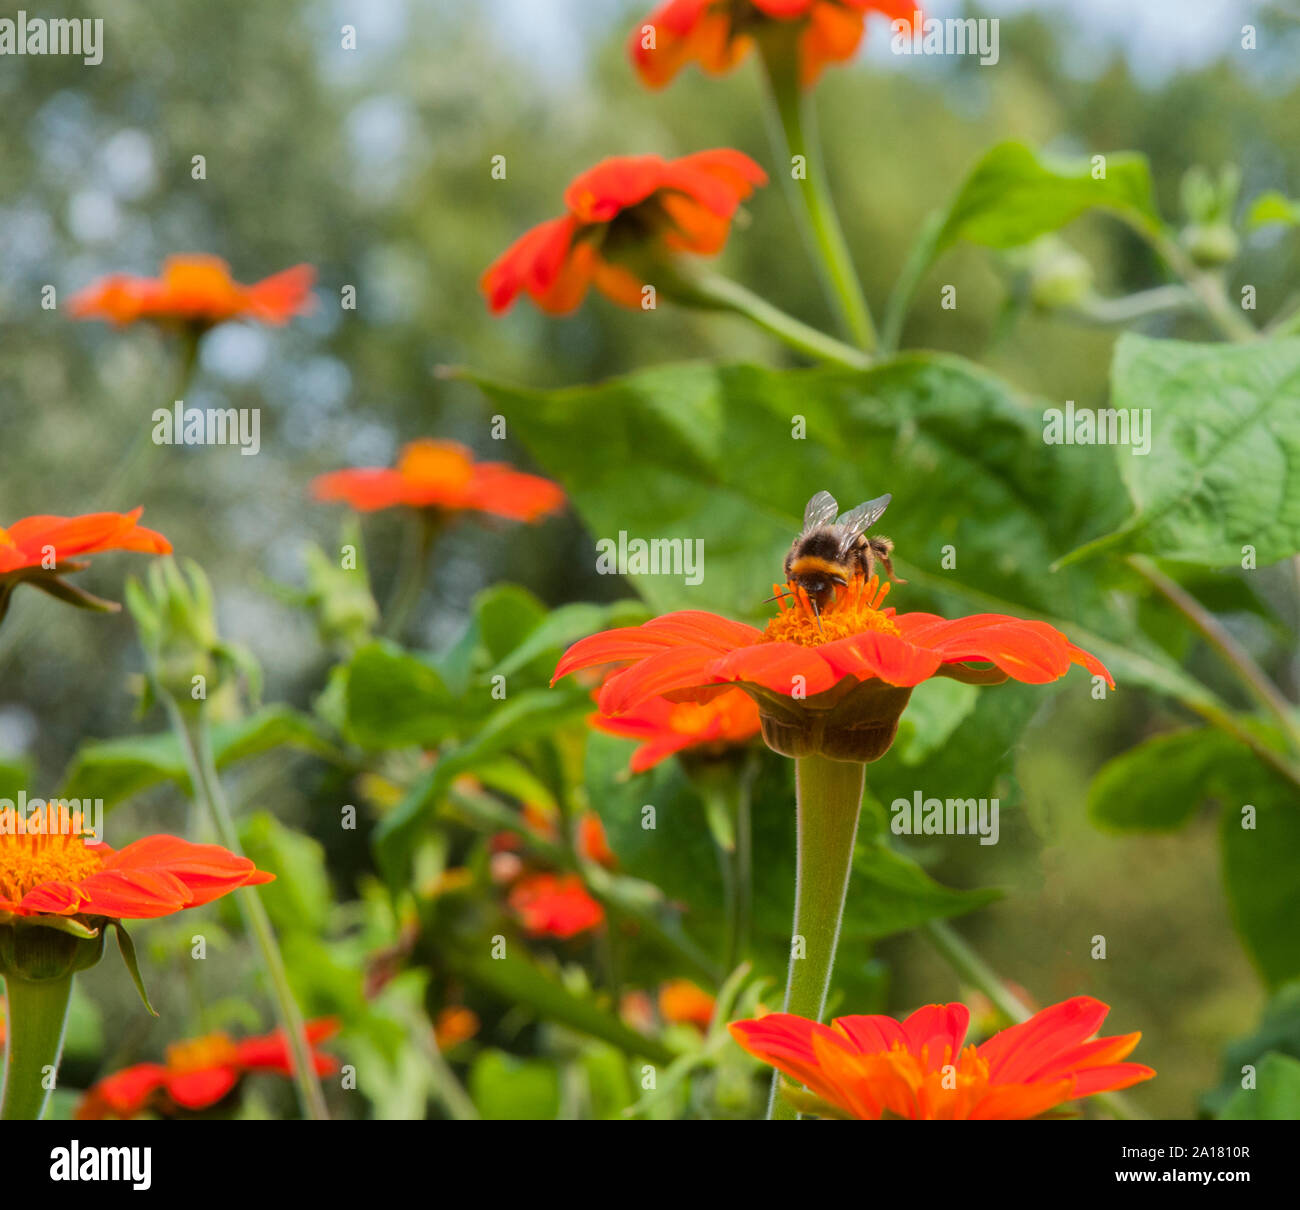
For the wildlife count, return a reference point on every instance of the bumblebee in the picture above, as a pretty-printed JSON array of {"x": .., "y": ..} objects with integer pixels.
[{"x": 828, "y": 553}]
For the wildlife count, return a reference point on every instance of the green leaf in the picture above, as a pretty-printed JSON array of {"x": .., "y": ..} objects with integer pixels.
[
  {"x": 1275, "y": 1097},
  {"x": 716, "y": 462},
  {"x": 1259, "y": 868},
  {"x": 1273, "y": 207},
  {"x": 566, "y": 625},
  {"x": 890, "y": 894},
  {"x": 1159, "y": 785},
  {"x": 505, "y": 1088},
  {"x": 1014, "y": 195},
  {"x": 1278, "y": 1030},
  {"x": 299, "y": 898},
  {"x": 15, "y": 776},
  {"x": 396, "y": 699},
  {"x": 1225, "y": 445},
  {"x": 531, "y": 714},
  {"x": 127, "y": 948},
  {"x": 117, "y": 769},
  {"x": 520, "y": 982}
]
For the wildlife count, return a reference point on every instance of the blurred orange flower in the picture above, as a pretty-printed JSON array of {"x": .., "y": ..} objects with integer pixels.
[
  {"x": 46, "y": 541},
  {"x": 872, "y": 1067},
  {"x": 199, "y": 1073},
  {"x": 717, "y": 34},
  {"x": 622, "y": 212},
  {"x": 455, "y": 1024},
  {"x": 196, "y": 289},
  {"x": 443, "y": 475},
  {"x": 554, "y": 905},
  {"x": 666, "y": 727},
  {"x": 682, "y": 1002},
  {"x": 56, "y": 873}
]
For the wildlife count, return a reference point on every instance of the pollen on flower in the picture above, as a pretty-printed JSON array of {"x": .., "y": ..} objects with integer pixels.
[
  {"x": 28, "y": 859},
  {"x": 854, "y": 609},
  {"x": 926, "y": 1087},
  {"x": 201, "y": 1054}
]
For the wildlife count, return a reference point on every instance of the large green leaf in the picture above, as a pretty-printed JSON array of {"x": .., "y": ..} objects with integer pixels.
[
  {"x": 1259, "y": 867},
  {"x": 890, "y": 893},
  {"x": 116, "y": 769},
  {"x": 1158, "y": 785},
  {"x": 1014, "y": 195},
  {"x": 1223, "y": 473},
  {"x": 719, "y": 458},
  {"x": 396, "y": 699}
]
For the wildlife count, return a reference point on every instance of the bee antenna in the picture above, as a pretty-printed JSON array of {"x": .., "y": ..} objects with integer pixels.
[{"x": 817, "y": 613}]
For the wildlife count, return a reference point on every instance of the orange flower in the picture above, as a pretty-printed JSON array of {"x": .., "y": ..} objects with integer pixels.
[
  {"x": 197, "y": 290},
  {"x": 834, "y": 684},
  {"x": 623, "y": 216},
  {"x": 666, "y": 727},
  {"x": 554, "y": 905},
  {"x": 199, "y": 1073},
  {"x": 443, "y": 475},
  {"x": 717, "y": 34},
  {"x": 682, "y": 1002},
  {"x": 54, "y": 873},
  {"x": 871, "y": 1067},
  {"x": 455, "y": 1024}
]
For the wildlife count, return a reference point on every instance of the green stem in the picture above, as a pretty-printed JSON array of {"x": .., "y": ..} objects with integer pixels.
[
  {"x": 192, "y": 732},
  {"x": 713, "y": 293},
  {"x": 131, "y": 466},
  {"x": 829, "y": 794},
  {"x": 919, "y": 259},
  {"x": 38, "y": 1015},
  {"x": 412, "y": 572},
  {"x": 1208, "y": 287},
  {"x": 1232, "y": 653},
  {"x": 794, "y": 133},
  {"x": 972, "y": 969}
]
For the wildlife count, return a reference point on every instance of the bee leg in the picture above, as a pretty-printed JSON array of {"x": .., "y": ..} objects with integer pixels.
[
  {"x": 817, "y": 613},
  {"x": 882, "y": 548}
]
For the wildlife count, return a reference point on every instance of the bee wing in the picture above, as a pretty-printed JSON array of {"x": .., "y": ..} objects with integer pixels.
[
  {"x": 821, "y": 510},
  {"x": 858, "y": 520}
]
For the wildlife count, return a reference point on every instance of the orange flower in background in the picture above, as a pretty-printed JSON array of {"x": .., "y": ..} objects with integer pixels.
[
  {"x": 443, "y": 475},
  {"x": 199, "y": 1073},
  {"x": 58, "y": 874},
  {"x": 683, "y": 1003},
  {"x": 665, "y": 727},
  {"x": 622, "y": 215},
  {"x": 718, "y": 34},
  {"x": 554, "y": 905},
  {"x": 199, "y": 290},
  {"x": 455, "y": 1024},
  {"x": 834, "y": 683},
  {"x": 872, "y": 1067}
]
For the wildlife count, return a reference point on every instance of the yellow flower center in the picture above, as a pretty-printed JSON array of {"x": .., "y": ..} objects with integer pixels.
[
  {"x": 201, "y": 1054},
  {"x": 853, "y": 609},
  {"x": 33, "y": 850}
]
